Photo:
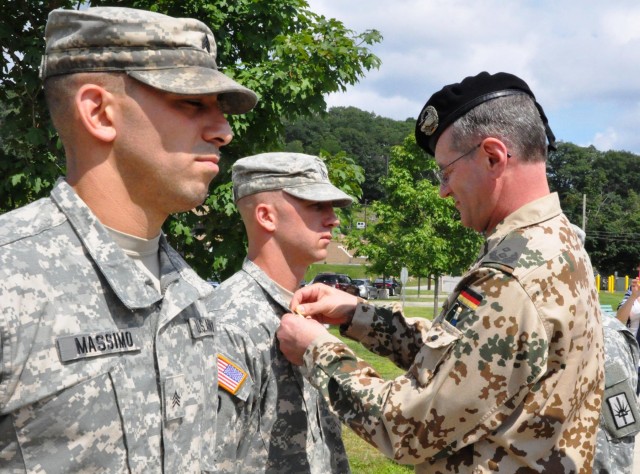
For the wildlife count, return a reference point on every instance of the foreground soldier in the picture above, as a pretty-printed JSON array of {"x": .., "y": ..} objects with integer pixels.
[
  {"x": 270, "y": 418},
  {"x": 107, "y": 357},
  {"x": 509, "y": 376}
]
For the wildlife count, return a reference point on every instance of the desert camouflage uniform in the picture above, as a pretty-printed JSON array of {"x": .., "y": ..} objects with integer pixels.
[
  {"x": 99, "y": 372},
  {"x": 620, "y": 418},
  {"x": 516, "y": 386},
  {"x": 276, "y": 422}
]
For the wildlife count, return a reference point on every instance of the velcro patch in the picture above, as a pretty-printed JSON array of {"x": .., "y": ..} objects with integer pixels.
[
  {"x": 469, "y": 298},
  {"x": 82, "y": 346},
  {"x": 620, "y": 409},
  {"x": 175, "y": 393},
  {"x": 201, "y": 327},
  {"x": 230, "y": 375}
]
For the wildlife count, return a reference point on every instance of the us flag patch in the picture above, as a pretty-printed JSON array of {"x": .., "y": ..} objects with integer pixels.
[{"x": 230, "y": 376}]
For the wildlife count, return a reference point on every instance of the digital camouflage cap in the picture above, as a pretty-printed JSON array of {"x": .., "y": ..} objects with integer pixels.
[
  {"x": 302, "y": 176},
  {"x": 176, "y": 55}
]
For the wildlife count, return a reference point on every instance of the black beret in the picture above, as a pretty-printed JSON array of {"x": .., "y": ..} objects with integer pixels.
[{"x": 453, "y": 101}]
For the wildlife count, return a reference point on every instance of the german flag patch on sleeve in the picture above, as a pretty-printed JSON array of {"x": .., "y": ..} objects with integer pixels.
[
  {"x": 469, "y": 298},
  {"x": 230, "y": 375},
  {"x": 466, "y": 299}
]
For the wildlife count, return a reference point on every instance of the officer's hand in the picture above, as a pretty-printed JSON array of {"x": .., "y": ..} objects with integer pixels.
[
  {"x": 295, "y": 334},
  {"x": 324, "y": 304}
]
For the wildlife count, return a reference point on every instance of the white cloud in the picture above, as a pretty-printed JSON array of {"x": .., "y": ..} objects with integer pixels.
[
  {"x": 606, "y": 140},
  {"x": 580, "y": 57}
]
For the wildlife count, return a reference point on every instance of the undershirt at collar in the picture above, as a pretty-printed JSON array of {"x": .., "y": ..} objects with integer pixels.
[{"x": 144, "y": 253}]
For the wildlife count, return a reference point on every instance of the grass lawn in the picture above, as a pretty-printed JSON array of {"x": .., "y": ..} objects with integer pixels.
[
  {"x": 364, "y": 458},
  {"x": 611, "y": 298}
]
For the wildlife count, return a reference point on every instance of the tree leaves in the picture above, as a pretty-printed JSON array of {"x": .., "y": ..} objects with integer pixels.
[
  {"x": 415, "y": 228},
  {"x": 289, "y": 55}
]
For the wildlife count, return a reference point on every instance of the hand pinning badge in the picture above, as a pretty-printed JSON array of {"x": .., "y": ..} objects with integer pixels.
[{"x": 299, "y": 311}]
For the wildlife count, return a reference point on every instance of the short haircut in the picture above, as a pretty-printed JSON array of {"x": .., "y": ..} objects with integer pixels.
[
  {"x": 59, "y": 92},
  {"x": 514, "y": 120}
]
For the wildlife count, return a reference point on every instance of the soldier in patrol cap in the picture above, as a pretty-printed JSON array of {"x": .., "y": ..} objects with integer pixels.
[
  {"x": 509, "y": 375},
  {"x": 107, "y": 350},
  {"x": 270, "y": 418},
  {"x": 620, "y": 417}
]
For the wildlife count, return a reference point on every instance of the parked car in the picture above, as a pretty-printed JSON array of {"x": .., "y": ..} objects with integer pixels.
[
  {"x": 367, "y": 290},
  {"x": 337, "y": 280},
  {"x": 390, "y": 284}
]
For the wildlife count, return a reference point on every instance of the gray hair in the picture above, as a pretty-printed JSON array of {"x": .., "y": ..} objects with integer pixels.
[{"x": 514, "y": 120}]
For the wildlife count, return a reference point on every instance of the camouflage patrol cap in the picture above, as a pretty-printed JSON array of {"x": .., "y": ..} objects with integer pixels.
[
  {"x": 302, "y": 176},
  {"x": 454, "y": 100},
  {"x": 176, "y": 55}
]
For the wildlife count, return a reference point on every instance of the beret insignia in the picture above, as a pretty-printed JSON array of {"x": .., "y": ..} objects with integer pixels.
[{"x": 429, "y": 120}]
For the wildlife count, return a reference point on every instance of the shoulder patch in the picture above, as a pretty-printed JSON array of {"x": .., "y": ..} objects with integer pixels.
[
  {"x": 230, "y": 375},
  {"x": 507, "y": 253}
]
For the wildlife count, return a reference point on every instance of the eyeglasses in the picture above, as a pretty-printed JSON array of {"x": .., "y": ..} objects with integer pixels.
[{"x": 444, "y": 179}]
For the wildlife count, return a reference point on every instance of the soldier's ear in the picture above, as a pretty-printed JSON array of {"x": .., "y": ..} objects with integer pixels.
[
  {"x": 495, "y": 155},
  {"x": 265, "y": 215},
  {"x": 94, "y": 106}
]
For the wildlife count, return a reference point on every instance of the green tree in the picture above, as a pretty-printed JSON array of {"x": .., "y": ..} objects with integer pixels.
[
  {"x": 363, "y": 135},
  {"x": 414, "y": 227},
  {"x": 290, "y": 56},
  {"x": 608, "y": 184}
]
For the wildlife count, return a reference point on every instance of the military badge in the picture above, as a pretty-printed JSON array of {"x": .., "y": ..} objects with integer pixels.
[
  {"x": 230, "y": 375},
  {"x": 620, "y": 409},
  {"x": 467, "y": 299},
  {"x": 205, "y": 43},
  {"x": 429, "y": 120},
  {"x": 175, "y": 391}
]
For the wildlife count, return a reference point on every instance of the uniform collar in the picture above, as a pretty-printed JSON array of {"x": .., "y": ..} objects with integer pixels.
[
  {"x": 280, "y": 294},
  {"x": 535, "y": 212},
  {"x": 128, "y": 282}
]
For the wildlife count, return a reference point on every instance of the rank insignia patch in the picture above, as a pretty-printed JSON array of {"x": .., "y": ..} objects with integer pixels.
[{"x": 230, "y": 375}]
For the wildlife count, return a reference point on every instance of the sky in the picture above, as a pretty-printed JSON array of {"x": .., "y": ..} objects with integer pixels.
[{"x": 581, "y": 58}]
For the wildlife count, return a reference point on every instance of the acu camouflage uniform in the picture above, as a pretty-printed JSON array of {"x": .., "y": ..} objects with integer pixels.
[
  {"x": 620, "y": 418},
  {"x": 516, "y": 386},
  {"x": 99, "y": 372},
  {"x": 276, "y": 421}
]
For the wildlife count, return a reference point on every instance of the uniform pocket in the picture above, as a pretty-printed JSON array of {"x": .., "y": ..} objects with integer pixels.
[
  {"x": 77, "y": 430},
  {"x": 438, "y": 342}
]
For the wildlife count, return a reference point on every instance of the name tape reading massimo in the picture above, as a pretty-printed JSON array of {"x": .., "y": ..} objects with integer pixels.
[{"x": 81, "y": 346}]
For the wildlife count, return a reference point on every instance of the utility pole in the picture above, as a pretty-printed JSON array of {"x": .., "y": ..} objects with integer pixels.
[{"x": 366, "y": 222}]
